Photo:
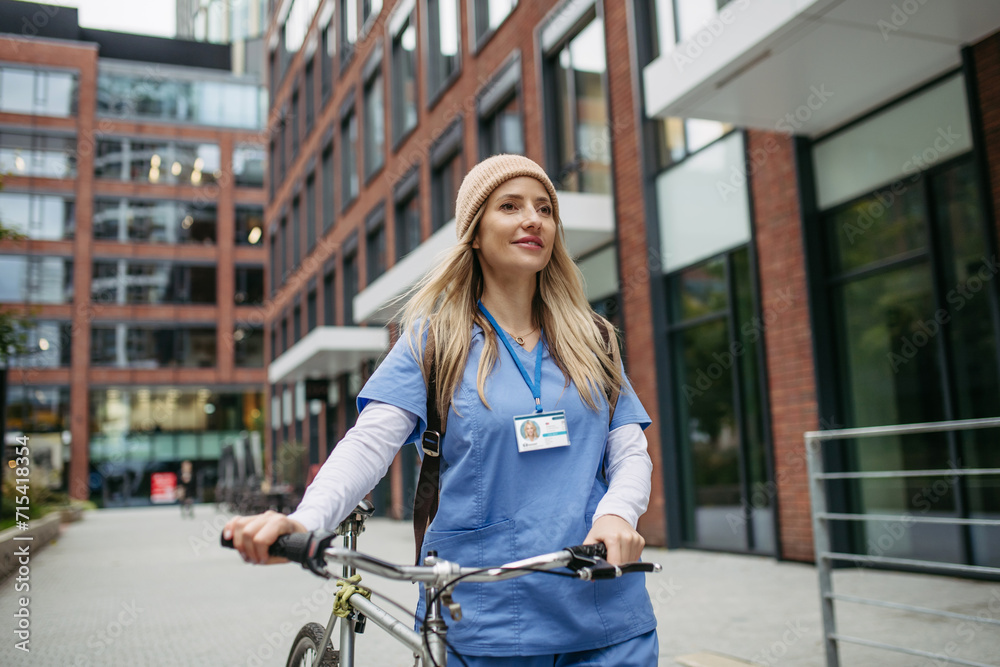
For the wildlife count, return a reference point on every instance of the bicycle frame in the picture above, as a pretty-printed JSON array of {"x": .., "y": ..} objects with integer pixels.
[{"x": 365, "y": 609}]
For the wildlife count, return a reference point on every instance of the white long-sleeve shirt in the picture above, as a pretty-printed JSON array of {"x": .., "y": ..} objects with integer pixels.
[{"x": 362, "y": 458}]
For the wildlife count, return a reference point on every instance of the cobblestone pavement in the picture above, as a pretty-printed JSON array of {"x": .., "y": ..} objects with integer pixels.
[{"x": 145, "y": 587}]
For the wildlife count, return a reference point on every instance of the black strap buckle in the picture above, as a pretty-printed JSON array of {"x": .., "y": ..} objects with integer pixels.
[{"x": 431, "y": 443}]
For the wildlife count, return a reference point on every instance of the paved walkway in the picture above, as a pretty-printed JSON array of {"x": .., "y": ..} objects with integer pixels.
[{"x": 144, "y": 587}]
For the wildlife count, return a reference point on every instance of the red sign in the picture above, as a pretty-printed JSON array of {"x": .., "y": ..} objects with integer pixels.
[{"x": 163, "y": 487}]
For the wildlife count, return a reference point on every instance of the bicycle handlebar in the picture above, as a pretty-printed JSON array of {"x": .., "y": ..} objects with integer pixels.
[{"x": 312, "y": 550}]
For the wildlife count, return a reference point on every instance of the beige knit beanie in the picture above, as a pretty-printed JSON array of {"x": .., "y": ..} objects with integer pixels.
[{"x": 484, "y": 178}]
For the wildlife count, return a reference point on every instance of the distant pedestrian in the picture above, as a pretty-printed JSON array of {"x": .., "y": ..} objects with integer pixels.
[{"x": 186, "y": 490}]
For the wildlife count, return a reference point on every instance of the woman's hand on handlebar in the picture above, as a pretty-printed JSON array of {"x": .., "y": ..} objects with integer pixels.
[
  {"x": 623, "y": 543},
  {"x": 252, "y": 535}
]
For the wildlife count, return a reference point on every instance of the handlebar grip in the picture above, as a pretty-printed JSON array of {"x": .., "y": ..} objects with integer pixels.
[
  {"x": 590, "y": 550},
  {"x": 639, "y": 567},
  {"x": 293, "y": 546}
]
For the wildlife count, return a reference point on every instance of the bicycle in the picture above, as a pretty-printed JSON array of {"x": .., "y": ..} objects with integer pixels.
[{"x": 430, "y": 647}]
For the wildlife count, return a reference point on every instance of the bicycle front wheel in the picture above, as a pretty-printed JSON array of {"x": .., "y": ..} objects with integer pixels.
[{"x": 305, "y": 649}]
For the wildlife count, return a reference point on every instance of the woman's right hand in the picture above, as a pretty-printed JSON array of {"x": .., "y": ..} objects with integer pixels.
[{"x": 252, "y": 535}]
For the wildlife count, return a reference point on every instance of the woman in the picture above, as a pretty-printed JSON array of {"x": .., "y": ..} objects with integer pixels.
[{"x": 506, "y": 308}]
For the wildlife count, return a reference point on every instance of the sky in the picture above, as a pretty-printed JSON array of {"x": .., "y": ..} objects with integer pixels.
[{"x": 145, "y": 17}]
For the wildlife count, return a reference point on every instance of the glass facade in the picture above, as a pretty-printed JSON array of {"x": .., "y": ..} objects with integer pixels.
[
  {"x": 248, "y": 347},
  {"x": 249, "y": 286},
  {"x": 407, "y": 224},
  {"x": 128, "y": 221},
  {"x": 167, "y": 162},
  {"x": 374, "y": 124},
  {"x": 36, "y": 279},
  {"x": 502, "y": 129},
  {"x": 445, "y": 179},
  {"x": 37, "y": 92},
  {"x": 136, "y": 431},
  {"x": 171, "y": 98},
  {"x": 132, "y": 346},
  {"x": 37, "y": 155},
  {"x": 41, "y": 217},
  {"x": 349, "y": 182},
  {"x": 134, "y": 282}
]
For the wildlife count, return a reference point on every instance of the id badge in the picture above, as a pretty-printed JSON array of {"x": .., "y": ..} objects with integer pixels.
[{"x": 541, "y": 430}]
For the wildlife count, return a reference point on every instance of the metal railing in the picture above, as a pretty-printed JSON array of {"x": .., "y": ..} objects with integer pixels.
[{"x": 825, "y": 556}]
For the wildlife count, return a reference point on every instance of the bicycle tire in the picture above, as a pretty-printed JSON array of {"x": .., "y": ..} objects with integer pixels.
[{"x": 305, "y": 648}]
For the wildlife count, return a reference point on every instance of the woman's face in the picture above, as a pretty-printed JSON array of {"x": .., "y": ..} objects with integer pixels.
[
  {"x": 517, "y": 230},
  {"x": 530, "y": 431}
]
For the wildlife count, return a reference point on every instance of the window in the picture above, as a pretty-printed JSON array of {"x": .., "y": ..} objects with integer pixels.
[
  {"x": 129, "y": 220},
  {"x": 444, "y": 43},
  {"x": 184, "y": 96},
  {"x": 348, "y": 21},
  {"x": 447, "y": 172},
  {"x": 134, "y": 282},
  {"x": 487, "y": 15},
  {"x": 404, "y": 78},
  {"x": 284, "y": 334},
  {"x": 374, "y": 104},
  {"x": 248, "y": 347},
  {"x": 295, "y": 120},
  {"x": 153, "y": 347},
  {"x": 375, "y": 244},
  {"x": 282, "y": 145},
  {"x": 248, "y": 166},
  {"x": 720, "y": 423},
  {"x": 296, "y": 233},
  {"x": 42, "y": 217},
  {"x": 272, "y": 168},
  {"x": 329, "y": 45},
  {"x": 47, "y": 345},
  {"x": 499, "y": 110},
  {"x": 283, "y": 247},
  {"x": 37, "y": 92},
  {"x": 37, "y": 155},
  {"x": 370, "y": 10},
  {"x": 310, "y": 205},
  {"x": 676, "y": 138},
  {"x": 329, "y": 300},
  {"x": 311, "y": 311},
  {"x": 310, "y": 93},
  {"x": 34, "y": 409},
  {"x": 249, "y": 224},
  {"x": 273, "y": 265},
  {"x": 407, "y": 215},
  {"x": 350, "y": 286},
  {"x": 165, "y": 162},
  {"x": 297, "y": 324},
  {"x": 249, "y": 286},
  {"x": 348, "y": 159},
  {"x": 577, "y": 105},
  {"x": 914, "y": 339},
  {"x": 274, "y": 343},
  {"x": 328, "y": 176}
]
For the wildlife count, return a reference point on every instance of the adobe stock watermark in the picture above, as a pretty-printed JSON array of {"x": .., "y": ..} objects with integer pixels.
[
  {"x": 900, "y": 16},
  {"x": 958, "y": 298},
  {"x": 912, "y": 168},
  {"x": 789, "y": 124},
  {"x": 694, "y": 47},
  {"x": 752, "y": 331},
  {"x": 968, "y": 630},
  {"x": 772, "y": 655}
]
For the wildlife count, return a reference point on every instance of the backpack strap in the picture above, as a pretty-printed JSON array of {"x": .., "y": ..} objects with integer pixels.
[{"x": 425, "y": 498}]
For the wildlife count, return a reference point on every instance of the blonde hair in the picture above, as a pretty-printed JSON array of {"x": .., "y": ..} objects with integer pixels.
[{"x": 445, "y": 302}]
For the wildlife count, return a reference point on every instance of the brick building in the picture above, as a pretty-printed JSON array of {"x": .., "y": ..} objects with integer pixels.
[
  {"x": 134, "y": 167},
  {"x": 773, "y": 204}
]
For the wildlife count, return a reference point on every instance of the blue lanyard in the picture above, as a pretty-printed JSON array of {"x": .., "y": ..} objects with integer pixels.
[{"x": 536, "y": 387}]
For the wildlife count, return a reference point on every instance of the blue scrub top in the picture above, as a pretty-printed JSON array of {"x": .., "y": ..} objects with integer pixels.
[{"x": 498, "y": 505}]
